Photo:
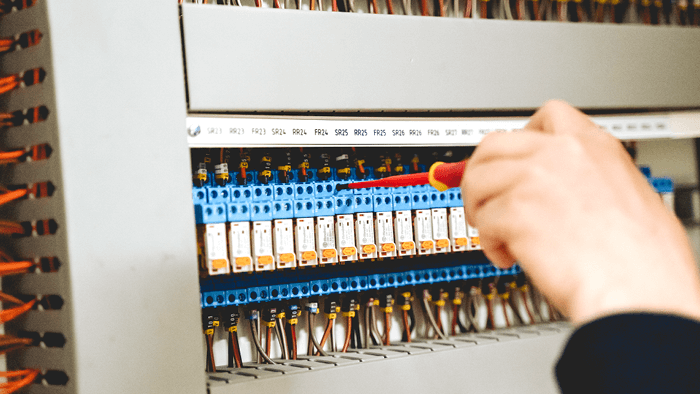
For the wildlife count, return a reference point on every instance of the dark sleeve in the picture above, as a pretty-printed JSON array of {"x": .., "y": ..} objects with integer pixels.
[{"x": 632, "y": 353}]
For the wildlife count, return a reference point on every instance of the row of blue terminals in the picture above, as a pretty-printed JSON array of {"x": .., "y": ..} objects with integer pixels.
[
  {"x": 257, "y": 202},
  {"x": 278, "y": 285},
  {"x": 660, "y": 184}
]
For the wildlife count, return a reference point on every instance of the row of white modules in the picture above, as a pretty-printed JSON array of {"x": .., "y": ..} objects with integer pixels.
[{"x": 288, "y": 243}]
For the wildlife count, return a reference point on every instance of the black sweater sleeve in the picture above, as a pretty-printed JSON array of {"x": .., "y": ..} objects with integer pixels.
[{"x": 632, "y": 353}]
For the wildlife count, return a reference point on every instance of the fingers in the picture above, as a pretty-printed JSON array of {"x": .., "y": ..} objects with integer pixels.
[
  {"x": 506, "y": 145},
  {"x": 497, "y": 230},
  {"x": 559, "y": 117},
  {"x": 485, "y": 181}
]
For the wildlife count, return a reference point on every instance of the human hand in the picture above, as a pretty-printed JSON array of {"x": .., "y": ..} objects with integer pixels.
[{"x": 564, "y": 199}]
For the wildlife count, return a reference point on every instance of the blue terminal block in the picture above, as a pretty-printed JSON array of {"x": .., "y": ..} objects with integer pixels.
[
  {"x": 420, "y": 201},
  {"x": 304, "y": 208},
  {"x": 237, "y": 297},
  {"x": 454, "y": 197},
  {"x": 457, "y": 273},
  {"x": 324, "y": 189},
  {"x": 261, "y": 211},
  {"x": 199, "y": 195},
  {"x": 294, "y": 176},
  {"x": 319, "y": 287},
  {"x": 258, "y": 294},
  {"x": 662, "y": 185},
  {"x": 402, "y": 202},
  {"x": 324, "y": 207},
  {"x": 345, "y": 192},
  {"x": 304, "y": 191},
  {"x": 422, "y": 189},
  {"x": 357, "y": 283},
  {"x": 383, "y": 203},
  {"x": 410, "y": 278},
  {"x": 209, "y": 213},
  {"x": 262, "y": 193},
  {"x": 279, "y": 292},
  {"x": 338, "y": 285},
  {"x": 238, "y": 212},
  {"x": 424, "y": 277},
  {"x": 438, "y": 199},
  {"x": 241, "y": 193},
  {"x": 394, "y": 280},
  {"x": 382, "y": 190},
  {"x": 213, "y": 299},
  {"x": 283, "y": 209},
  {"x": 299, "y": 290},
  {"x": 344, "y": 205},
  {"x": 283, "y": 192},
  {"x": 218, "y": 194},
  {"x": 401, "y": 190},
  {"x": 363, "y": 203},
  {"x": 377, "y": 281}
]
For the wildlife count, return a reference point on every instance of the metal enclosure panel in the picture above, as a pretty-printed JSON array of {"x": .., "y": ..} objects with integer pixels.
[
  {"x": 247, "y": 59},
  {"x": 130, "y": 284},
  {"x": 522, "y": 366}
]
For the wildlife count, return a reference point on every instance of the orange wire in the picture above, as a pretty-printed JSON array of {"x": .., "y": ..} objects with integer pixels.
[
  {"x": 335, "y": 5},
  {"x": 467, "y": 14},
  {"x": 10, "y": 227},
  {"x": 442, "y": 7},
  {"x": 15, "y": 267},
  {"x": 348, "y": 336},
  {"x": 11, "y": 155},
  {"x": 390, "y": 6},
  {"x": 9, "y": 314},
  {"x": 8, "y": 298},
  {"x": 9, "y": 343},
  {"x": 11, "y": 387},
  {"x": 375, "y": 7},
  {"x": 12, "y": 195},
  {"x": 8, "y": 84},
  {"x": 424, "y": 7}
]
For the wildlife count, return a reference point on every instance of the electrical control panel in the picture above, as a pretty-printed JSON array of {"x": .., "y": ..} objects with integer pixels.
[{"x": 174, "y": 203}]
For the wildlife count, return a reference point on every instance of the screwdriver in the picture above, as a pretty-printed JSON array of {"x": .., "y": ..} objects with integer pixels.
[{"x": 441, "y": 176}]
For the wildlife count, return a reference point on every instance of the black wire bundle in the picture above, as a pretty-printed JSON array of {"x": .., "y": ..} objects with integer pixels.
[{"x": 356, "y": 339}]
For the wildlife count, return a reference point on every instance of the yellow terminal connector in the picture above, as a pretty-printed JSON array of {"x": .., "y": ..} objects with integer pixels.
[
  {"x": 233, "y": 329},
  {"x": 349, "y": 314},
  {"x": 331, "y": 316},
  {"x": 292, "y": 321},
  {"x": 269, "y": 323}
]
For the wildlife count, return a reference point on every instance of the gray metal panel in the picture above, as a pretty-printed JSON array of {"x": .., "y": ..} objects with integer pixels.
[
  {"x": 126, "y": 230},
  {"x": 247, "y": 59},
  {"x": 522, "y": 365}
]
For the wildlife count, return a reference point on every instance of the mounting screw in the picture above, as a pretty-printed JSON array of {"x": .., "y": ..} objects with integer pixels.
[{"x": 194, "y": 131}]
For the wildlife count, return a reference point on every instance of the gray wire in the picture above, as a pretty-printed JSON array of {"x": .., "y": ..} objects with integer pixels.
[
  {"x": 313, "y": 337},
  {"x": 509, "y": 12},
  {"x": 332, "y": 338},
  {"x": 366, "y": 329},
  {"x": 281, "y": 339},
  {"x": 373, "y": 326},
  {"x": 406, "y": 7},
  {"x": 258, "y": 346},
  {"x": 431, "y": 318}
]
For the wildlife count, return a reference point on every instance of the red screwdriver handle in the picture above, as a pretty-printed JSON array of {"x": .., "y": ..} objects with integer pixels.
[{"x": 443, "y": 176}]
